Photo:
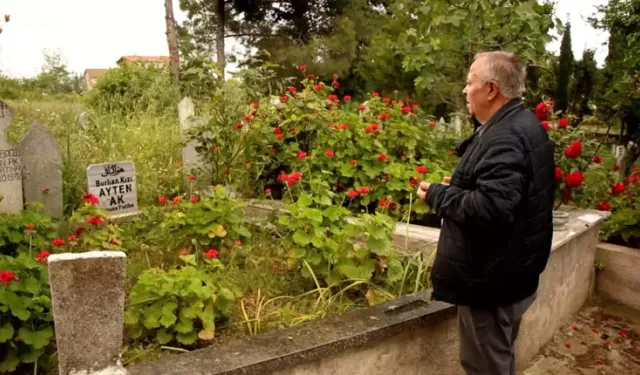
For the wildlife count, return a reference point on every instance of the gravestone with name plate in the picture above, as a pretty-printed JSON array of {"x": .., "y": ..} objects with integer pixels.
[
  {"x": 10, "y": 169},
  {"x": 114, "y": 184}
]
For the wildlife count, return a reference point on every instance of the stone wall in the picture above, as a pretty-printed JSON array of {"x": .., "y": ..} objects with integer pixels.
[
  {"x": 411, "y": 335},
  {"x": 619, "y": 280}
]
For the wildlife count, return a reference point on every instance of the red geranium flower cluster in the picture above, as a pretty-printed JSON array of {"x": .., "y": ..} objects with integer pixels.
[
  {"x": 290, "y": 179},
  {"x": 574, "y": 150},
  {"x": 372, "y": 128},
  {"x": 7, "y": 276},
  {"x": 90, "y": 198},
  {"x": 543, "y": 111},
  {"x": 356, "y": 193}
]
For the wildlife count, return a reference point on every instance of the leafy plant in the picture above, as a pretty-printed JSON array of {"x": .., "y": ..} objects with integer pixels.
[
  {"x": 180, "y": 305},
  {"x": 28, "y": 230},
  {"x": 26, "y": 322},
  {"x": 206, "y": 222}
]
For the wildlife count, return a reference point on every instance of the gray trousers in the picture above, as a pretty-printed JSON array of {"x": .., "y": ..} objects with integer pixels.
[{"x": 487, "y": 338}]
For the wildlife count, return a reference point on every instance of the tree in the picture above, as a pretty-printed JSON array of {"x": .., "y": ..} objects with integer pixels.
[
  {"x": 619, "y": 94},
  {"x": 586, "y": 72},
  {"x": 172, "y": 42},
  {"x": 565, "y": 69},
  {"x": 434, "y": 42}
]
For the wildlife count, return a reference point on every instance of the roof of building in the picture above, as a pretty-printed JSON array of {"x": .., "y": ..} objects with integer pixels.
[
  {"x": 143, "y": 59},
  {"x": 93, "y": 73}
]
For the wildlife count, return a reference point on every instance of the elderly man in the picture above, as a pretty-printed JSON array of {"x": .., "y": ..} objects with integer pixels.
[{"x": 497, "y": 223}]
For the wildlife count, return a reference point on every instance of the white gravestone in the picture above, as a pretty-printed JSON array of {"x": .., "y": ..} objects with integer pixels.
[
  {"x": 114, "y": 184},
  {"x": 10, "y": 169}
]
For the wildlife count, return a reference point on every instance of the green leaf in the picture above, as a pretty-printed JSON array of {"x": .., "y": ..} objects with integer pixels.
[
  {"x": 184, "y": 326},
  {"x": 378, "y": 246},
  {"x": 242, "y": 231},
  {"x": 10, "y": 361},
  {"x": 31, "y": 355},
  {"x": 305, "y": 200},
  {"x": 135, "y": 331},
  {"x": 168, "y": 319},
  {"x": 131, "y": 317},
  {"x": 164, "y": 337},
  {"x": 354, "y": 271},
  {"x": 301, "y": 237},
  {"x": 19, "y": 311},
  {"x": 6, "y": 332},
  {"x": 324, "y": 200},
  {"x": 395, "y": 270},
  {"x": 192, "y": 310},
  {"x": 152, "y": 319},
  {"x": 38, "y": 339},
  {"x": 187, "y": 338},
  {"x": 32, "y": 285}
]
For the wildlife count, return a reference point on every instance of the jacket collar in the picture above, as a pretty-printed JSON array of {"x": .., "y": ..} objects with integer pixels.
[{"x": 513, "y": 106}]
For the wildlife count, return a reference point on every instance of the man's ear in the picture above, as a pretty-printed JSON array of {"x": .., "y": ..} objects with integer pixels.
[{"x": 493, "y": 90}]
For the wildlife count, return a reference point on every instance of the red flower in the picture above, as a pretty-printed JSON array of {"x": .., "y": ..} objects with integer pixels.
[
  {"x": 347, "y": 98},
  {"x": 311, "y": 76},
  {"x": 372, "y": 128},
  {"x": 559, "y": 174},
  {"x": 212, "y": 253},
  {"x": 80, "y": 230},
  {"x": 616, "y": 167},
  {"x": 364, "y": 190},
  {"x": 414, "y": 106},
  {"x": 284, "y": 99},
  {"x": 617, "y": 189},
  {"x": 45, "y": 190},
  {"x": 246, "y": 117},
  {"x": 329, "y": 153},
  {"x": 421, "y": 169},
  {"x": 382, "y": 157},
  {"x": 362, "y": 107},
  {"x": 405, "y": 109},
  {"x": 184, "y": 252},
  {"x": 597, "y": 159},
  {"x": 542, "y": 111},
  {"x": 319, "y": 86},
  {"x": 574, "y": 150},
  {"x": 386, "y": 100},
  {"x": 545, "y": 125},
  {"x": 623, "y": 334},
  {"x": 567, "y": 195},
  {"x": 292, "y": 89},
  {"x": 267, "y": 191},
  {"x": 95, "y": 220},
  {"x": 57, "y": 242},
  {"x": 293, "y": 178},
  {"x": 214, "y": 150},
  {"x": 375, "y": 94},
  {"x": 301, "y": 155},
  {"x": 343, "y": 126},
  {"x": 633, "y": 179},
  {"x": 604, "y": 206},
  {"x": 42, "y": 256},
  {"x": 90, "y": 198},
  {"x": 335, "y": 83},
  {"x": 574, "y": 179},
  {"x": 353, "y": 162},
  {"x": 332, "y": 97},
  {"x": 72, "y": 238},
  {"x": 635, "y": 169},
  {"x": 7, "y": 276},
  {"x": 568, "y": 345},
  {"x": 277, "y": 131},
  {"x": 272, "y": 149},
  {"x": 383, "y": 116},
  {"x": 191, "y": 177},
  {"x": 352, "y": 194},
  {"x": 413, "y": 182},
  {"x": 30, "y": 227},
  {"x": 302, "y": 68},
  {"x": 383, "y": 203},
  {"x": 432, "y": 123},
  {"x": 177, "y": 200},
  {"x": 279, "y": 136},
  {"x": 563, "y": 123},
  {"x": 194, "y": 199},
  {"x": 162, "y": 199}
]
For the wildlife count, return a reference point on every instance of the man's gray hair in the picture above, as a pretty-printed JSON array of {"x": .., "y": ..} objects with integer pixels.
[{"x": 504, "y": 68}]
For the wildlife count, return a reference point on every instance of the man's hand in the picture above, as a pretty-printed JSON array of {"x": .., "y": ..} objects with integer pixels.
[
  {"x": 446, "y": 180},
  {"x": 422, "y": 190}
]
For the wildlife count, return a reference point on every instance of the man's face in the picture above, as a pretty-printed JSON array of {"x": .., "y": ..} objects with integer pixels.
[{"x": 477, "y": 93}]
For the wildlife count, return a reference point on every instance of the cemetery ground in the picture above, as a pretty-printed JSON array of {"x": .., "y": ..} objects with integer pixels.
[{"x": 204, "y": 269}]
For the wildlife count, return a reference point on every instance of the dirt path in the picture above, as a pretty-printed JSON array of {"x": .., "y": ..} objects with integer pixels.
[{"x": 602, "y": 339}]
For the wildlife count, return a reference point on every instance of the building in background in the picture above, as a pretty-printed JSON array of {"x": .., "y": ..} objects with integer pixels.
[{"x": 90, "y": 77}]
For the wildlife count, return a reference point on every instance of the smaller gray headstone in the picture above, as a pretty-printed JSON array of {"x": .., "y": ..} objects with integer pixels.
[
  {"x": 186, "y": 111},
  {"x": 88, "y": 294},
  {"x": 114, "y": 184},
  {"x": 10, "y": 170},
  {"x": 42, "y": 169},
  {"x": 83, "y": 119}
]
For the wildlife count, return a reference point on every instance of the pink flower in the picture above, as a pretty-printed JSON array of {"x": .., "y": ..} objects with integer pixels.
[
  {"x": 212, "y": 253},
  {"x": 267, "y": 191},
  {"x": 347, "y": 98}
]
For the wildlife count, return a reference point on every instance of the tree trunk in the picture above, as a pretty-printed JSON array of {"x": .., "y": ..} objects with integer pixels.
[
  {"x": 220, "y": 27},
  {"x": 172, "y": 41}
]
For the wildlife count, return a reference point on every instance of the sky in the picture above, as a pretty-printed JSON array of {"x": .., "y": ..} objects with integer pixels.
[{"x": 95, "y": 34}]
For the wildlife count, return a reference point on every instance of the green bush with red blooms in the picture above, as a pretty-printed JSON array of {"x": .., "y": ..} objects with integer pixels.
[{"x": 385, "y": 146}]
